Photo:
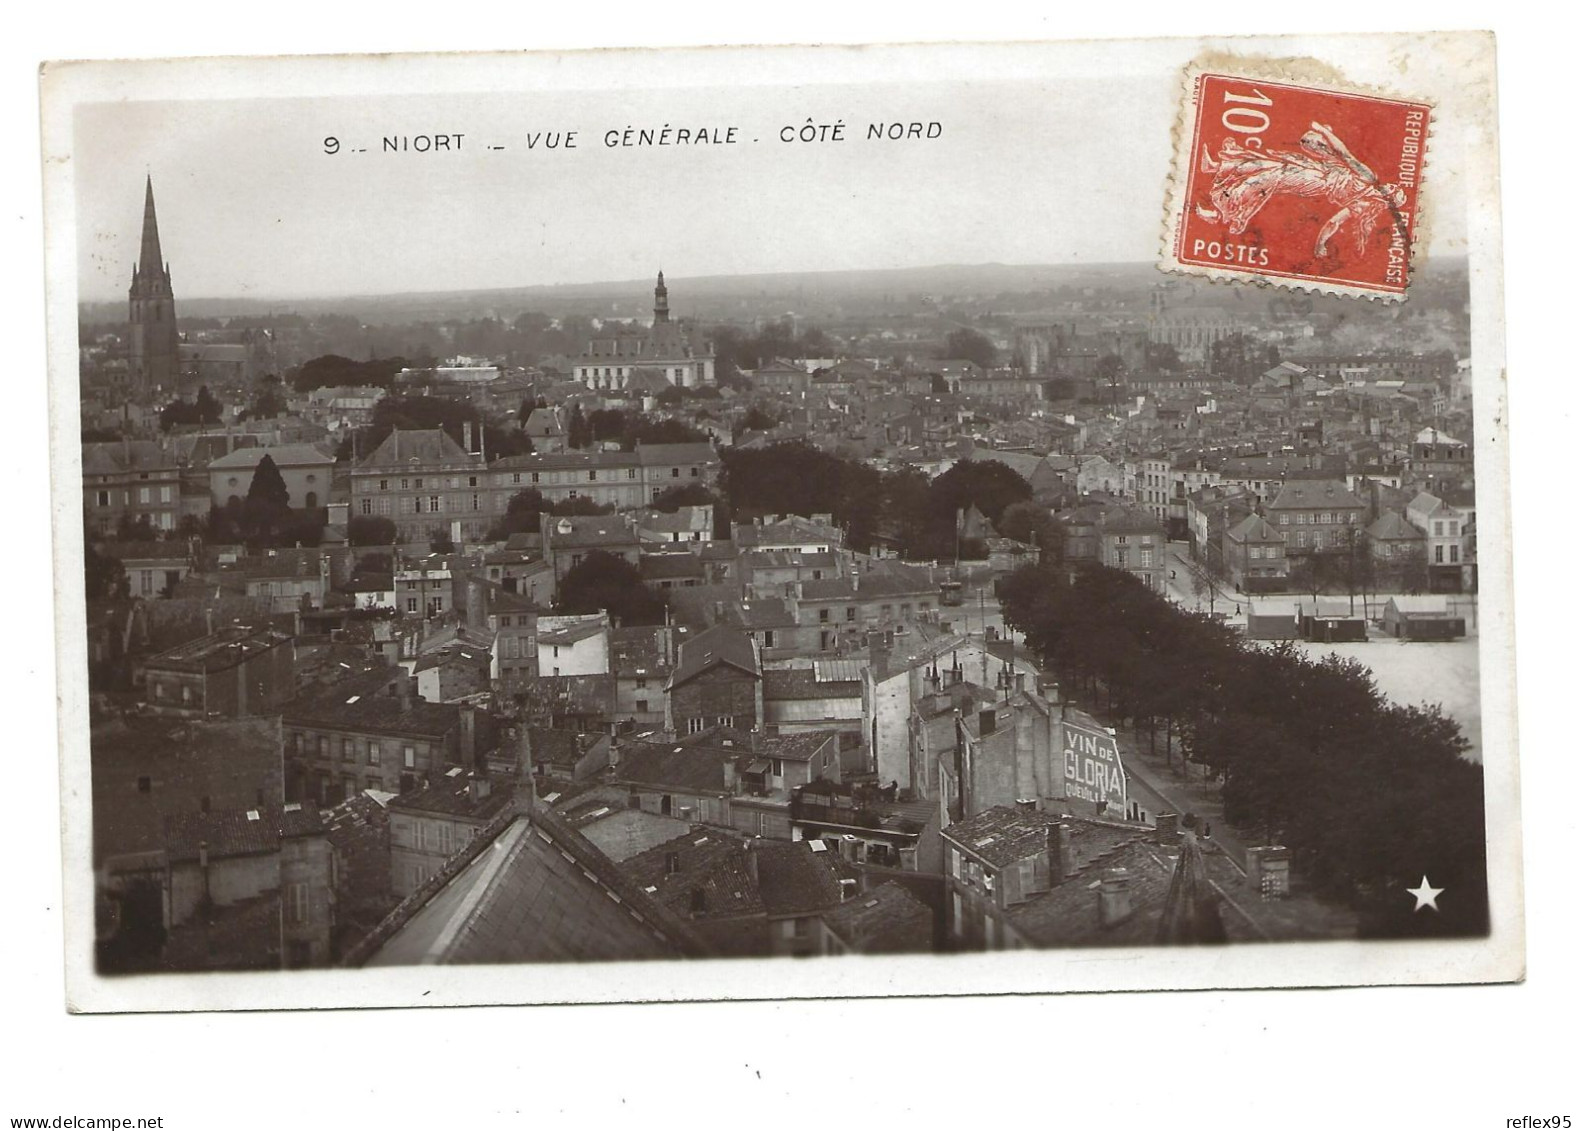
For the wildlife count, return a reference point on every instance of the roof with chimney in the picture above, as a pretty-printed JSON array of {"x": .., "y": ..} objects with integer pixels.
[
  {"x": 786, "y": 684},
  {"x": 886, "y": 920},
  {"x": 559, "y": 747},
  {"x": 226, "y": 648},
  {"x": 528, "y": 888},
  {"x": 568, "y": 630},
  {"x": 795, "y": 880},
  {"x": 791, "y": 529},
  {"x": 146, "y": 769},
  {"x": 456, "y": 793},
  {"x": 878, "y": 579},
  {"x": 712, "y": 862},
  {"x": 372, "y": 702},
  {"x": 638, "y": 651},
  {"x": 591, "y": 531},
  {"x": 1004, "y": 835},
  {"x": 721, "y": 644},
  {"x": 565, "y": 461},
  {"x": 1310, "y": 494},
  {"x": 122, "y": 456},
  {"x": 415, "y": 449},
  {"x": 760, "y": 613},
  {"x": 1254, "y": 528},
  {"x": 684, "y": 769},
  {"x": 223, "y": 833}
]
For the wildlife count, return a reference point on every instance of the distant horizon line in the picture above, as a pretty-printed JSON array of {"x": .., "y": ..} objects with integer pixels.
[{"x": 638, "y": 282}]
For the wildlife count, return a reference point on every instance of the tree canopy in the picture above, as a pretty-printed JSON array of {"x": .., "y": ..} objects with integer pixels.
[
  {"x": 969, "y": 345},
  {"x": 498, "y": 437},
  {"x": 603, "y": 581},
  {"x": 204, "y": 409},
  {"x": 334, "y": 370}
]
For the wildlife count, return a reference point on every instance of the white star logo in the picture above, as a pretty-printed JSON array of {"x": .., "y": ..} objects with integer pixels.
[{"x": 1426, "y": 895}]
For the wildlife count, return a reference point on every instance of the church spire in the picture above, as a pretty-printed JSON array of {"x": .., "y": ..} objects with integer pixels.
[
  {"x": 661, "y": 302},
  {"x": 151, "y": 259}
]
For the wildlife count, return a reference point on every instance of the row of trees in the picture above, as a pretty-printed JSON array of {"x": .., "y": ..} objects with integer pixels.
[
  {"x": 625, "y": 427},
  {"x": 920, "y": 516},
  {"x": 1367, "y": 794}
]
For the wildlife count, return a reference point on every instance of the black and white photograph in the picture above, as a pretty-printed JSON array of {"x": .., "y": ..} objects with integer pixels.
[
  {"x": 588, "y": 566},
  {"x": 607, "y": 525}
]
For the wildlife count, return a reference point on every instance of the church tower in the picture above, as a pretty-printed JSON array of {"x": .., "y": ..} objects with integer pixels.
[
  {"x": 661, "y": 302},
  {"x": 154, "y": 357}
]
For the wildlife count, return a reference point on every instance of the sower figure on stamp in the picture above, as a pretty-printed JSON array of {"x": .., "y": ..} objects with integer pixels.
[{"x": 1244, "y": 179}]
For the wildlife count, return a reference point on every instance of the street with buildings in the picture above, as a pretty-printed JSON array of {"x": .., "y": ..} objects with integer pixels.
[{"x": 736, "y": 630}]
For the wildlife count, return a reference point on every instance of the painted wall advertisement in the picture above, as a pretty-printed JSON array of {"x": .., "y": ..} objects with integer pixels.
[{"x": 1092, "y": 767}]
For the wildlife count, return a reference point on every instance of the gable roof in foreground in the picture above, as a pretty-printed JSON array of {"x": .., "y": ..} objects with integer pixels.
[{"x": 528, "y": 888}]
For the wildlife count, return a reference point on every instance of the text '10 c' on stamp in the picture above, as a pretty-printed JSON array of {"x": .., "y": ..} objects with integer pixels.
[{"x": 1296, "y": 185}]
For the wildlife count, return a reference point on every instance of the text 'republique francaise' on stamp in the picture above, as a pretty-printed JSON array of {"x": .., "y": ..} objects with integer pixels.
[{"x": 1306, "y": 185}]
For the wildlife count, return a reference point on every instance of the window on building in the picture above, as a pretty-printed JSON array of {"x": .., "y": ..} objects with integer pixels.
[
  {"x": 418, "y": 484},
  {"x": 642, "y": 705},
  {"x": 409, "y": 757},
  {"x": 768, "y": 638},
  {"x": 433, "y": 503},
  {"x": 373, "y": 753},
  {"x": 1454, "y": 554},
  {"x": 823, "y": 616},
  {"x": 535, "y": 477},
  {"x": 850, "y": 612},
  {"x": 406, "y": 484},
  {"x": 367, "y": 506},
  {"x": 631, "y": 473},
  {"x": 411, "y": 604},
  {"x": 726, "y": 720},
  {"x": 472, "y": 481},
  {"x": 696, "y": 472},
  {"x": 696, "y": 725},
  {"x": 675, "y": 473}
]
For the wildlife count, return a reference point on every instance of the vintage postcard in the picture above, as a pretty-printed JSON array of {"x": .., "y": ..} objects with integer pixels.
[{"x": 592, "y": 527}]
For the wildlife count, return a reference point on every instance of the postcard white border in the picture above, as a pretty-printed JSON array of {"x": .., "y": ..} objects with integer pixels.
[{"x": 1500, "y": 957}]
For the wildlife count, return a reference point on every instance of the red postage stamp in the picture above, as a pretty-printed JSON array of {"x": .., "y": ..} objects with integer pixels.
[{"x": 1296, "y": 184}]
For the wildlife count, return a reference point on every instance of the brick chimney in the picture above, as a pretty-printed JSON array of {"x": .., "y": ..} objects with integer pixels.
[
  {"x": 752, "y": 860},
  {"x": 1059, "y": 853},
  {"x": 469, "y": 736},
  {"x": 1268, "y": 870},
  {"x": 1114, "y": 897}
]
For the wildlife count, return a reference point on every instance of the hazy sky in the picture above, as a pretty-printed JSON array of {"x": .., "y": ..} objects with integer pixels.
[{"x": 250, "y": 205}]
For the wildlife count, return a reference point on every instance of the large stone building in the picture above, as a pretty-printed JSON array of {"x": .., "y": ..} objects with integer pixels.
[
  {"x": 424, "y": 482},
  {"x": 133, "y": 480},
  {"x": 667, "y": 349}
]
